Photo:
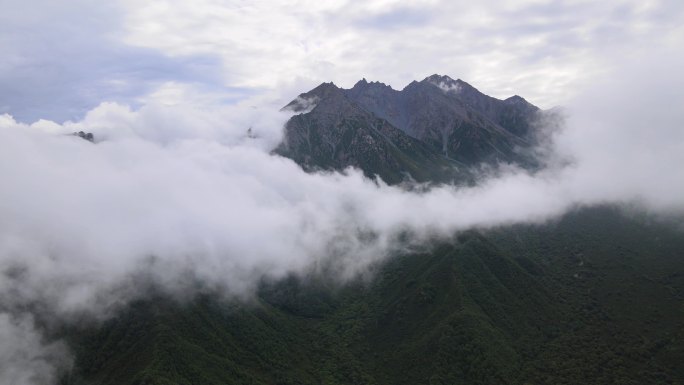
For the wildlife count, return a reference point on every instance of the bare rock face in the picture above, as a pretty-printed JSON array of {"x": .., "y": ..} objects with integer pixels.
[
  {"x": 338, "y": 133},
  {"x": 429, "y": 131}
]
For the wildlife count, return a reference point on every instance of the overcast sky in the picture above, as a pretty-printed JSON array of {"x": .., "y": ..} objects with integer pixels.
[{"x": 60, "y": 59}]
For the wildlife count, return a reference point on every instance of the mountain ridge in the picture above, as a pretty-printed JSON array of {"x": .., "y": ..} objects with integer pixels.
[{"x": 448, "y": 122}]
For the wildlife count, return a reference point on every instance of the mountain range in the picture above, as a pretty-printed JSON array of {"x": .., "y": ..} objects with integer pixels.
[{"x": 596, "y": 297}]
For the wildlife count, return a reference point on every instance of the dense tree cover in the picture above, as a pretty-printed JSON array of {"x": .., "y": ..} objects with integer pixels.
[{"x": 594, "y": 298}]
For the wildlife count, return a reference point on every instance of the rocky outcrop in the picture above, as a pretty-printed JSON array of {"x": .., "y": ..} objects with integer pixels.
[{"x": 428, "y": 130}]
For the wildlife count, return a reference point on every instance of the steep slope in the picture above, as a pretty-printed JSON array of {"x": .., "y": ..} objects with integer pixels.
[
  {"x": 427, "y": 131},
  {"x": 514, "y": 114},
  {"x": 336, "y": 133},
  {"x": 596, "y": 298},
  {"x": 454, "y": 118}
]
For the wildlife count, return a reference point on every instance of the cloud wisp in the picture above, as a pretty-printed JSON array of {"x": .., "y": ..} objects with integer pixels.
[{"x": 25, "y": 358}]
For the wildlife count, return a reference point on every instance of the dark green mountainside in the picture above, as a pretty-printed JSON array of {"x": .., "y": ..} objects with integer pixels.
[{"x": 596, "y": 298}]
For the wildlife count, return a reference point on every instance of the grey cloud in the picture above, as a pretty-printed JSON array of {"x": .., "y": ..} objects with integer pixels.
[
  {"x": 396, "y": 18},
  {"x": 25, "y": 359},
  {"x": 62, "y": 60},
  {"x": 538, "y": 50}
]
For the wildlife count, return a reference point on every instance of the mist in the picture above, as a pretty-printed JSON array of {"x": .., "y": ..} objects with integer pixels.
[
  {"x": 179, "y": 192},
  {"x": 24, "y": 357}
]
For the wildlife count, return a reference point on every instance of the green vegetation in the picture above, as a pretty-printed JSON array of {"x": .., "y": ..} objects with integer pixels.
[{"x": 594, "y": 298}]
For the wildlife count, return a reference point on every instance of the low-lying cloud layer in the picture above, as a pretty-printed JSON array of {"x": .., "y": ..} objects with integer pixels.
[{"x": 181, "y": 192}]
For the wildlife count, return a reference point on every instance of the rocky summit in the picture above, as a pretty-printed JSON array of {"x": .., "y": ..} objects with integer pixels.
[{"x": 432, "y": 130}]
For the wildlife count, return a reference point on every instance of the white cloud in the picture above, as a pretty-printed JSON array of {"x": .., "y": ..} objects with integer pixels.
[
  {"x": 304, "y": 105},
  {"x": 60, "y": 61},
  {"x": 538, "y": 49},
  {"x": 448, "y": 87},
  {"x": 25, "y": 359}
]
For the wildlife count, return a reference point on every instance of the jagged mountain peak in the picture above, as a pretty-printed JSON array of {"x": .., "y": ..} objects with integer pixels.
[
  {"x": 453, "y": 87},
  {"x": 388, "y": 132},
  {"x": 307, "y": 101},
  {"x": 364, "y": 85},
  {"x": 324, "y": 89},
  {"x": 441, "y": 78},
  {"x": 517, "y": 99}
]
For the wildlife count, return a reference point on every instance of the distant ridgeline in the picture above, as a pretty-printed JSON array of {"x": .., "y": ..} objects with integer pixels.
[{"x": 432, "y": 130}]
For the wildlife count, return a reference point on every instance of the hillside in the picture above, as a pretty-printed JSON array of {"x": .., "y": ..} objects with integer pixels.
[{"x": 594, "y": 298}]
